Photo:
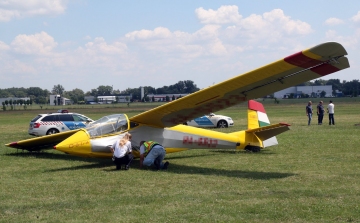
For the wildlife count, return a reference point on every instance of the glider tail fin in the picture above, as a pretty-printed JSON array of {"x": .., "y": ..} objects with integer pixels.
[{"x": 259, "y": 125}]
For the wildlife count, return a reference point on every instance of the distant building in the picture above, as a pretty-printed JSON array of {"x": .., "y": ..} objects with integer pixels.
[
  {"x": 56, "y": 99},
  {"x": 312, "y": 91},
  {"x": 120, "y": 98},
  {"x": 162, "y": 97}
]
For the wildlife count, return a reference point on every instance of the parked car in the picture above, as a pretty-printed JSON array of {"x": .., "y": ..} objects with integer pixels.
[
  {"x": 211, "y": 120},
  {"x": 47, "y": 124}
]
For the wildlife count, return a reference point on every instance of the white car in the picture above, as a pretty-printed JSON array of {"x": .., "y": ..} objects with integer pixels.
[
  {"x": 211, "y": 121},
  {"x": 47, "y": 124}
]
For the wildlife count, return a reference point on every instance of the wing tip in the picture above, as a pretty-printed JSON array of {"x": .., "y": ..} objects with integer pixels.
[{"x": 12, "y": 144}]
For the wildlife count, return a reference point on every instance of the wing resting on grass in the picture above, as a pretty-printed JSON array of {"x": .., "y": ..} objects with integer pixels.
[
  {"x": 300, "y": 67},
  {"x": 43, "y": 142}
]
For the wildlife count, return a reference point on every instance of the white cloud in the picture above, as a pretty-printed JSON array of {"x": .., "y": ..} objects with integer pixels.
[
  {"x": 333, "y": 21},
  {"x": 99, "y": 45},
  {"x": 346, "y": 41},
  {"x": 356, "y": 18},
  {"x": 38, "y": 44},
  {"x": 3, "y": 47},
  {"x": 159, "y": 32},
  {"x": 274, "y": 20},
  {"x": 224, "y": 14},
  {"x": 280, "y": 21},
  {"x": 11, "y": 9}
]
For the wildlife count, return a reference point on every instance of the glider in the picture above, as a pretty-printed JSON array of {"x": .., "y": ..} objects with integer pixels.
[{"x": 164, "y": 123}]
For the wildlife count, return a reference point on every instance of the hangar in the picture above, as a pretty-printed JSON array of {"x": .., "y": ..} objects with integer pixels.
[{"x": 312, "y": 91}]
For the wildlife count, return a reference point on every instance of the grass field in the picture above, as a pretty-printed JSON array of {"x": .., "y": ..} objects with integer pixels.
[{"x": 311, "y": 176}]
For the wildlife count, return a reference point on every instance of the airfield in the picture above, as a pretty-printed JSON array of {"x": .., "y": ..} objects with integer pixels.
[{"x": 311, "y": 176}]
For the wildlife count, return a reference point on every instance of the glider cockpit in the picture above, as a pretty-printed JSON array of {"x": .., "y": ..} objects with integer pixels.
[{"x": 111, "y": 124}]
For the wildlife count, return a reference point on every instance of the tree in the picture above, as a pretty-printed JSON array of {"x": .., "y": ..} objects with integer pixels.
[
  {"x": 322, "y": 94},
  {"x": 4, "y": 94},
  {"x": 104, "y": 90},
  {"x": 320, "y": 82},
  {"x": 58, "y": 89},
  {"x": 41, "y": 100},
  {"x": 75, "y": 95},
  {"x": 336, "y": 85},
  {"x": 36, "y": 92}
]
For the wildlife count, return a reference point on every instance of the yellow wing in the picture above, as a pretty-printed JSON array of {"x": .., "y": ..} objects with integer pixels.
[
  {"x": 43, "y": 142},
  {"x": 303, "y": 66}
]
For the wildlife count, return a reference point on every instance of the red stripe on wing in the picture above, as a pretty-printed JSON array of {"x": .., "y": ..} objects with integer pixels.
[{"x": 300, "y": 60}]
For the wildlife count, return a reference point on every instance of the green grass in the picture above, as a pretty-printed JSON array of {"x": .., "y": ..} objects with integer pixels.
[{"x": 311, "y": 176}]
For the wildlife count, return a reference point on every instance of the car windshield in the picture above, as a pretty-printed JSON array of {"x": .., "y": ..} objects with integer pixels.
[
  {"x": 78, "y": 117},
  {"x": 116, "y": 123}
]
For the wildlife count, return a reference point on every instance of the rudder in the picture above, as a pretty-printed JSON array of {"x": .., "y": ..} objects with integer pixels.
[{"x": 257, "y": 117}]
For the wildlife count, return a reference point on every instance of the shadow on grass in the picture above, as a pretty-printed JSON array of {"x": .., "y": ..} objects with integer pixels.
[
  {"x": 173, "y": 168},
  {"x": 256, "y": 175},
  {"x": 266, "y": 152},
  {"x": 188, "y": 169}
]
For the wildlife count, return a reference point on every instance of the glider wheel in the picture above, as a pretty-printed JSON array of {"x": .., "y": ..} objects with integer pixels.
[{"x": 254, "y": 149}]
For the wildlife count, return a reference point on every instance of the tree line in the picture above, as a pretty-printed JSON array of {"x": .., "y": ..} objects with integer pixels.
[{"x": 41, "y": 96}]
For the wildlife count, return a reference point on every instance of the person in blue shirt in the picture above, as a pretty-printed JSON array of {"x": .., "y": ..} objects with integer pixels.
[
  {"x": 320, "y": 112},
  {"x": 309, "y": 112}
]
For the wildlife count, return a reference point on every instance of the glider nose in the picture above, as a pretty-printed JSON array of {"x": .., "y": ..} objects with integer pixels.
[{"x": 77, "y": 144}]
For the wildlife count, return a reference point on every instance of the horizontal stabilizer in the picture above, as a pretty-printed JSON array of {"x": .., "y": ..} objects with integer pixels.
[{"x": 264, "y": 133}]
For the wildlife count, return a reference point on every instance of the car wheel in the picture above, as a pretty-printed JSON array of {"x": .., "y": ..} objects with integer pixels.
[
  {"x": 222, "y": 124},
  {"x": 185, "y": 123},
  {"x": 52, "y": 131}
]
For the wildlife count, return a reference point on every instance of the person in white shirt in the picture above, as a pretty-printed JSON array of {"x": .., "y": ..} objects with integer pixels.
[
  {"x": 122, "y": 153},
  {"x": 330, "y": 110},
  {"x": 128, "y": 137}
]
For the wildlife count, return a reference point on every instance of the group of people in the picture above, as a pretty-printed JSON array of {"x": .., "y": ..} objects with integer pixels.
[
  {"x": 320, "y": 111},
  {"x": 151, "y": 154}
]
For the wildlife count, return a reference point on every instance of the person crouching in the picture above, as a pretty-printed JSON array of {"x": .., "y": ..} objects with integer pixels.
[{"x": 122, "y": 154}]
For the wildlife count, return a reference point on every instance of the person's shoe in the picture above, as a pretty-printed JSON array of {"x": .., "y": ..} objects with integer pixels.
[
  {"x": 127, "y": 167},
  {"x": 157, "y": 164},
  {"x": 165, "y": 165}
]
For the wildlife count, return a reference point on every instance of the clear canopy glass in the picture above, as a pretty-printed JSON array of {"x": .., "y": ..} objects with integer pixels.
[{"x": 115, "y": 123}]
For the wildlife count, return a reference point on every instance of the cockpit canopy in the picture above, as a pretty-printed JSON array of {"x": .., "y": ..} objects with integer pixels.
[{"x": 110, "y": 124}]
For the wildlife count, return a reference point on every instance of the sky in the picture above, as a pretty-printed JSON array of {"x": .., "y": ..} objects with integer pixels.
[{"x": 127, "y": 44}]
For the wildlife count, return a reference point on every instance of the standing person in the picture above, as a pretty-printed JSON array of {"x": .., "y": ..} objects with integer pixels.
[
  {"x": 309, "y": 111},
  {"x": 330, "y": 110},
  {"x": 152, "y": 153},
  {"x": 121, "y": 154},
  {"x": 320, "y": 112}
]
